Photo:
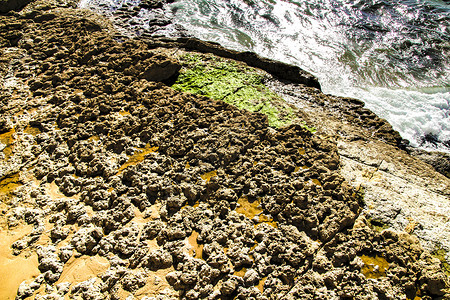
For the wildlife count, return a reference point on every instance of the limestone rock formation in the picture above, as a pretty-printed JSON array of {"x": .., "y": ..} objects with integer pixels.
[
  {"x": 114, "y": 185},
  {"x": 8, "y": 5}
]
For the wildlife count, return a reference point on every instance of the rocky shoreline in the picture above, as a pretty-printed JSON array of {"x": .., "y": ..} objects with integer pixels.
[{"x": 114, "y": 185}]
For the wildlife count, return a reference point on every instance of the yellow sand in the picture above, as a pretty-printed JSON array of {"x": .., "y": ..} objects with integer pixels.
[
  {"x": 260, "y": 285},
  {"x": 9, "y": 184},
  {"x": 374, "y": 267},
  {"x": 252, "y": 209},
  {"x": 196, "y": 249},
  {"x": 207, "y": 176},
  {"x": 7, "y": 139},
  {"x": 316, "y": 182},
  {"x": 156, "y": 283},
  {"x": 32, "y": 130},
  {"x": 82, "y": 268}
]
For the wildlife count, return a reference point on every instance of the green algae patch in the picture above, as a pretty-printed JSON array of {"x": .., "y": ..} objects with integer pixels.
[
  {"x": 374, "y": 267},
  {"x": 241, "y": 272},
  {"x": 359, "y": 194},
  {"x": 440, "y": 254},
  {"x": 260, "y": 285},
  {"x": 234, "y": 83},
  {"x": 378, "y": 225}
]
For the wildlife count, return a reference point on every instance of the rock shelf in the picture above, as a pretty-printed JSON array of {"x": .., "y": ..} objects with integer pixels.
[{"x": 116, "y": 186}]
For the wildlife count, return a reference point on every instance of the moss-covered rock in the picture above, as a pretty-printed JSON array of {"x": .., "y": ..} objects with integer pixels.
[
  {"x": 440, "y": 254},
  {"x": 236, "y": 84}
]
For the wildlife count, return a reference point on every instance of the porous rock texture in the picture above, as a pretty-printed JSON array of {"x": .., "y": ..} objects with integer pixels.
[
  {"x": 403, "y": 187},
  {"x": 115, "y": 186}
]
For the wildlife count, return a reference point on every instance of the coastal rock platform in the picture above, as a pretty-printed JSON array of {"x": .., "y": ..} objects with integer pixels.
[{"x": 117, "y": 183}]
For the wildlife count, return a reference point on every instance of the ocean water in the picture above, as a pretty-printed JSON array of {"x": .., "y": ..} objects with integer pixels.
[{"x": 393, "y": 55}]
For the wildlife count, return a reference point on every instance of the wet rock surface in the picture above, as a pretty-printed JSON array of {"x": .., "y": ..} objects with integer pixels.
[
  {"x": 151, "y": 21},
  {"x": 116, "y": 186},
  {"x": 146, "y": 18},
  {"x": 439, "y": 160}
]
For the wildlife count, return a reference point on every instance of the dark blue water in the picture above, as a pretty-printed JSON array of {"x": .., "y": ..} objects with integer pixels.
[{"x": 393, "y": 55}]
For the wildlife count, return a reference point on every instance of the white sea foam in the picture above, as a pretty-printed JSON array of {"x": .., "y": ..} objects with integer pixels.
[{"x": 414, "y": 114}]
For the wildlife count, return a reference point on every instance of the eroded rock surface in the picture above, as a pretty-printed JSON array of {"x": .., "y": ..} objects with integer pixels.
[
  {"x": 400, "y": 191},
  {"x": 116, "y": 186}
]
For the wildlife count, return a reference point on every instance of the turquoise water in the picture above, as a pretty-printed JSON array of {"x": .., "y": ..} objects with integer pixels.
[{"x": 393, "y": 55}]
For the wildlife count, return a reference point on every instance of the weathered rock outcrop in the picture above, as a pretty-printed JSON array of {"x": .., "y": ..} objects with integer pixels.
[
  {"x": 115, "y": 185},
  {"x": 281, "y": 70},
  {"x": 8, "y": 5}
]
